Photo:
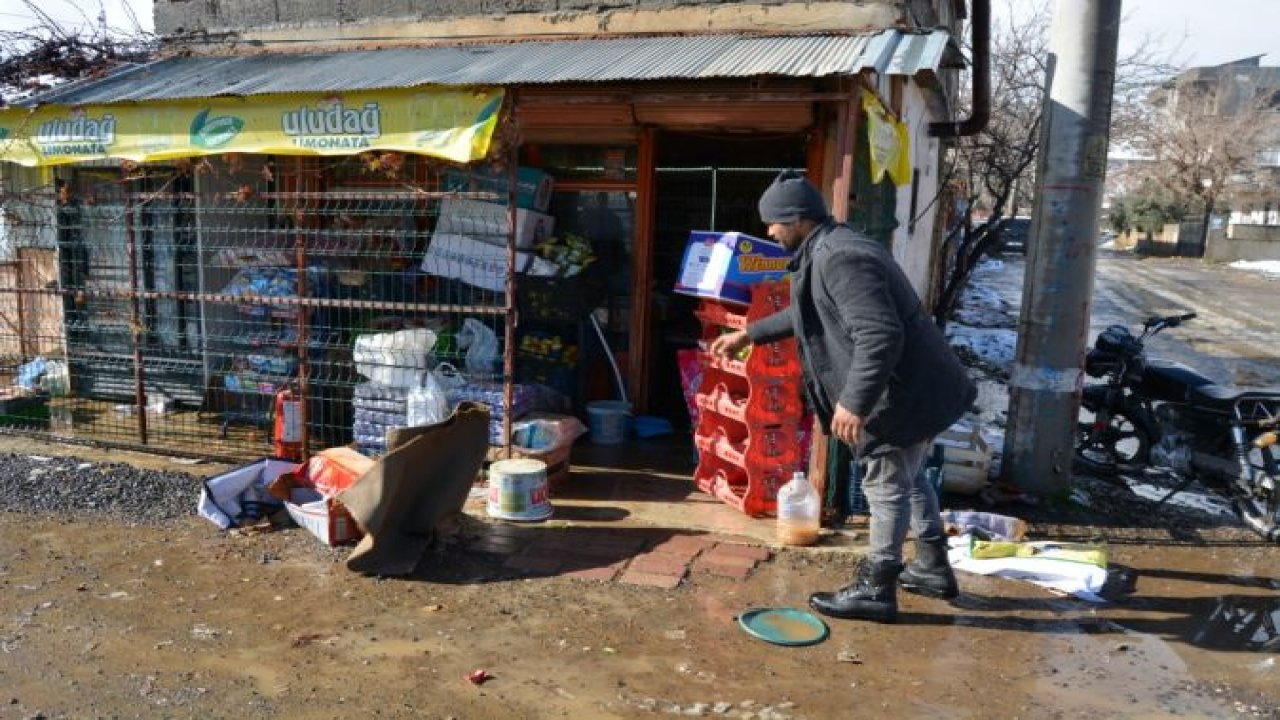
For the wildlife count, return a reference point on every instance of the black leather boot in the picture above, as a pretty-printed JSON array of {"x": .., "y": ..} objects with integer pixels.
[
  {"x": 930, "y": 573},
  {"x": 871, "y": 596}
]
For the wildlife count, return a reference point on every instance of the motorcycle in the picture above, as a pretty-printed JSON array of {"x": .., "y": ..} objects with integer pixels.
[{"x": 1153, "y": 413}]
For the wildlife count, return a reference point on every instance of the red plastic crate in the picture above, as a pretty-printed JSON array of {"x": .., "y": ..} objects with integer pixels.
[{"x": 752, "y": 432}]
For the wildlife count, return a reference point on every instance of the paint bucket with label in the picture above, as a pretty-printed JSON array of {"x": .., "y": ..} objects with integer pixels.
[{"x": 518, "y": 490}]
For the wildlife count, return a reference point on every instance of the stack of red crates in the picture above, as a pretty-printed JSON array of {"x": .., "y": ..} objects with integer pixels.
[{"x": 753, "y": 431}]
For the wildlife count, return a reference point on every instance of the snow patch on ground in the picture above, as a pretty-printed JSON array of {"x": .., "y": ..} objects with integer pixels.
[
  {"x": 994, "y": 346},
  {"x": 1270, "y": 268},
  {"x": 982, "y": 333},
  {"x": 1204, "y": 502}
]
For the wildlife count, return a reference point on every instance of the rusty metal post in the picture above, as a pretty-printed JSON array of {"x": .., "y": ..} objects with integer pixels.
[
  {"x": 135, "y": 320},
  {"x": 509, "y": 351},
  {"x": 304, "y": 368}
]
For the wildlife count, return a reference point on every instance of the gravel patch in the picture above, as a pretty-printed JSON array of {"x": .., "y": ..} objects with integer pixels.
[{"x": 74, "y": 486}]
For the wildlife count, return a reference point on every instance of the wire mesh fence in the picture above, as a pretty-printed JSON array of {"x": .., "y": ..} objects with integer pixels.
[{"x": 248, "y": 305}]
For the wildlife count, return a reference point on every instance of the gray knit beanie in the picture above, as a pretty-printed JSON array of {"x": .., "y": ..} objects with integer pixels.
[{"x": 790, "y": 198}]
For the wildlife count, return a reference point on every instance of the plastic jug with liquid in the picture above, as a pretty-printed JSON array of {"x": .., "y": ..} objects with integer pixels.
[{"x": 799, "y": 512}]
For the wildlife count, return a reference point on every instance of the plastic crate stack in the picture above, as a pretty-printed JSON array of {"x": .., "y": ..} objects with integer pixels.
[{"x": 753, "y": 429}]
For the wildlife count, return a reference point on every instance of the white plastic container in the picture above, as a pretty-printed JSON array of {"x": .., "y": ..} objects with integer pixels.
[
  {"x": 799, "y": 512},
  {"x": 518, "y": 490}
]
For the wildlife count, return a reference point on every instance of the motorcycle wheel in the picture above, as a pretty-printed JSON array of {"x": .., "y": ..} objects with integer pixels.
[
  {"x": 1120, "y": 445},
  {"x": 1257, "y": 502}
]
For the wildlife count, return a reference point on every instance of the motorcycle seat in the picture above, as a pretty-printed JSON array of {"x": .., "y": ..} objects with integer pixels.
[{"x": 1225, "y": 397}]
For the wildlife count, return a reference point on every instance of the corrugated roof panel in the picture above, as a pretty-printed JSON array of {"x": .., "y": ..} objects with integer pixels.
[
  {"x": 517, "y": 63},
  {"x": 916, "y": 53}
]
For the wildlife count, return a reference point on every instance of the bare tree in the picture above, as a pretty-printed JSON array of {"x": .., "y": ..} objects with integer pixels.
[
  {"x": 1203, "y": 154},
  {"x": 49, "y": 53},
  {"x": 993, "y": 171}
]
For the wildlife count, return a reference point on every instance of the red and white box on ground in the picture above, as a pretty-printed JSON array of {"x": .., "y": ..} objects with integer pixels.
[{"x": 310, "y": 493}]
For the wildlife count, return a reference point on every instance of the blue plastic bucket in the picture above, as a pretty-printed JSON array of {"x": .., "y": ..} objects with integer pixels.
[
  {"x": 647, "y": 426},
  {"x": 608, "y": 420}
]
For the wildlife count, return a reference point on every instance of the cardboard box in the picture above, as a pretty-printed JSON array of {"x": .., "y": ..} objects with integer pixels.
[
  {"x": 327, "y": 519},
  {"x": 724, "y": 266},
  {"x": 489, "y": 223},
  {"x": 239, "y": 496},
  {"x": 533, "y": 187},
  {"x": 310, "y": 493},
  {"x": 477, "y": 263}
]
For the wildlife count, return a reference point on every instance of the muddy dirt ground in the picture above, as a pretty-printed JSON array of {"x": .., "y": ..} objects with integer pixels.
[
  {"x": 138, "y": 616},
  {"x": 107, "y": 618}
]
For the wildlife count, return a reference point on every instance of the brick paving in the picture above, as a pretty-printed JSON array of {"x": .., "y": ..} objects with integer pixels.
[{"x": 629, "y": 556}]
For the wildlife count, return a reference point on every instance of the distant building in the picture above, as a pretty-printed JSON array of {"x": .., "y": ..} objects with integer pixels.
[{"x": 1227, "y": 90}]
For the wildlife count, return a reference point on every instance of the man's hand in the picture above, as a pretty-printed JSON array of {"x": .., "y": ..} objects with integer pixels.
[
  {"x": 846, "y": 426},
  {"x": 728, "y": 344}
]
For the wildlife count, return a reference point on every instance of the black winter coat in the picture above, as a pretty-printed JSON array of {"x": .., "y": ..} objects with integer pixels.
[{"x": 866, "y": 343}]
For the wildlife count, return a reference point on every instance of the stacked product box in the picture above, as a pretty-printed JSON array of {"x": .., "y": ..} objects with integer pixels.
[
  {"x": 470, "y": 236},
  {"x": 725, "y": 266}
]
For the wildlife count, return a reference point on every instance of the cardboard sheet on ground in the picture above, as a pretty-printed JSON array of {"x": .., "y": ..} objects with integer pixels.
[
  {"x": 424, "y": 478},
  {"x": 1082, "y": 580}
]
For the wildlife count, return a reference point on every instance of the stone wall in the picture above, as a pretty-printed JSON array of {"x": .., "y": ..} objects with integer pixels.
[{"x": 370, "y": 21}]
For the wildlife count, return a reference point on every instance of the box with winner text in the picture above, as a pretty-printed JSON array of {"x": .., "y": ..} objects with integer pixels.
[{"x": 724, "y": 266}]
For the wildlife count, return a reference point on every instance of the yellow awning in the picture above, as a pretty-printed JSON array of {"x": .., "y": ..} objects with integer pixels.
[{"x": 450, "y": 123}]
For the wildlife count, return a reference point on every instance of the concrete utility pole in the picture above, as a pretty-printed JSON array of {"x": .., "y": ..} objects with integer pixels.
[{"x": 1062, "y": 248}]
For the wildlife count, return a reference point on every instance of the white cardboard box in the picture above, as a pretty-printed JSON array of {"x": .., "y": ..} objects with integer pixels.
[
  {"x": 489, "y": 222},
  {"x": 477, "y": 263},
  {"x": 966, "y": 459},
  {"x": 326, "y": 519}
]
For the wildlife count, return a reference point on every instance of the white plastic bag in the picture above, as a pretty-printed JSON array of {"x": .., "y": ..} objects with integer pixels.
[
  {"x": 449, "y": 377},
  {"x": 546, "y": 431},
  {"x": 481, "y": 345},
  {"x": 427, "y": 403}
]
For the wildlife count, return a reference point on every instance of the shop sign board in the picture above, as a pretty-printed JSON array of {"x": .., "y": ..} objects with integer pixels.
[{"x": 450, "y": 123}]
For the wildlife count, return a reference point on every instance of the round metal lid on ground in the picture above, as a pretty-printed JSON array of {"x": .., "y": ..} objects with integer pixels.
[{"x": 784, "y": 626}]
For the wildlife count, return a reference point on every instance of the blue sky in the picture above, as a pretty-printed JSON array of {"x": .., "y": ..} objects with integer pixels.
[
  {"x": 1196, "y": 32},
  {"x": 15, "y": 15},
  {"x": 1199, "y": 32}
]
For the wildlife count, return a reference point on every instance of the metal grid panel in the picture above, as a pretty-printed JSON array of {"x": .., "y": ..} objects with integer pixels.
[{"x": 185, "y": 303}]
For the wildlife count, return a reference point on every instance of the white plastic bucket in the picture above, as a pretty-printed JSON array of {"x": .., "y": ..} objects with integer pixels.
[
  {"x": 518, "y": 490},
  {"x": 607, "y": 420}
]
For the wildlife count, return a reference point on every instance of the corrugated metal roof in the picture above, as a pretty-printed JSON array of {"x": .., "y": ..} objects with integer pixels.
[{"x": 518, "y": 63}]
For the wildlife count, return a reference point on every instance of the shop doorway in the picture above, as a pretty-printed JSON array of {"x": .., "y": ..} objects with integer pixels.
[{"x": 702, "y": 182}]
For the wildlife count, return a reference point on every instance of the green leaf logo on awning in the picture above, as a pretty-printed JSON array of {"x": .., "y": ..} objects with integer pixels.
[{"x": 207, "y": 132}]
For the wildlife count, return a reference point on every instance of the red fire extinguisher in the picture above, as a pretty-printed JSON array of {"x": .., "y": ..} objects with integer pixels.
[{"x": 288, "y": 424}]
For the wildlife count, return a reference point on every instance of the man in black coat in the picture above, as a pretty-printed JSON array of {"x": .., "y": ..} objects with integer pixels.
[{"x": 879, "y": 375}]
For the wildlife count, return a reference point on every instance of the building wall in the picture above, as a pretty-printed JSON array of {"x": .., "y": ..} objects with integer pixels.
[
  {"x": 1244, "y": 242},
  {"x": 913, "y": 242},
  {"x": 209, "y": 24}
]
